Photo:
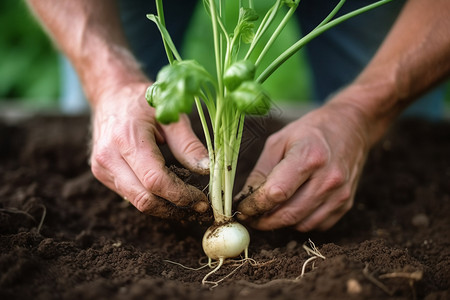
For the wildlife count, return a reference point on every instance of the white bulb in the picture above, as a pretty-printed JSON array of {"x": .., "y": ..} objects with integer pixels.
[{"x": 225, "y": 241}]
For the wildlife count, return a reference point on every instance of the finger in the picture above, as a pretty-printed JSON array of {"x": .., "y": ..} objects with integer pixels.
[
  {"x": 303, "y": 203},
  {"x": 284, "y": 180},
  {"x": 186, "y": 147},
  {"x": 272, "y": 153},
  {"x": 310, "y": 208},
  {"x": 147, "y": 163},
  {"x": 124, "y": 182},
  {"x": 327, "y": 215}
]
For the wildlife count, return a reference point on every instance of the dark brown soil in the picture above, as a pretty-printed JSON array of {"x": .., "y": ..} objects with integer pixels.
[{"x": 93, "y": 245}]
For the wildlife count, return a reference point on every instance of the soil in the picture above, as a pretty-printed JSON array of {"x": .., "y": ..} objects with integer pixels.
[{"x": 63, "y": 235}]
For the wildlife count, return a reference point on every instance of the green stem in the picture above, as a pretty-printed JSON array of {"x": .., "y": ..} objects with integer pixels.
[
  {"x": 160, "y": 12},
  {"x": 205, "y": 129},
  {"x": 276, "y": 34},
  {"x": 237, "y": 144},
  {"x": 317, "y": 31},
  {"x": 332, "y": 13},
  {"x": 265, "y": 23},
  {"x": 217, "y": 50}
]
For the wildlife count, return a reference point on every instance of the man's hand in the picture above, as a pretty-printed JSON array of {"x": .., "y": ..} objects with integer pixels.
[
  {"x": 126, "y": 158},
  {"x": 308, "y": 172}
]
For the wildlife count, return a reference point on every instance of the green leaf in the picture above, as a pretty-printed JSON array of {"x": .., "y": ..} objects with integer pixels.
[
  {"x": 245, "y": 27},
  {"x": 151, "y": 93},
  {"x": 239, "y": 72},
  {"x": 251, "y": 99},
  {"x": 175, "y": 88}
]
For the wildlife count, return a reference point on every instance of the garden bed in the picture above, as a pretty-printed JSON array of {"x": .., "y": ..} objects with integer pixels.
[{"x": 94, "y": 245}]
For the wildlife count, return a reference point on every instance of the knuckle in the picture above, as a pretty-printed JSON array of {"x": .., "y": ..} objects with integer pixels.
[
  {"x": 345, "y": 199},
  {"x": 143, "y": 202},
  {"x": 316, "y": 158},
  {"x": 97, "y": 170},
  {"x": 152, "y": 181},
  {"x": 120, "y": 139},
  {"x": 271, "y": 141},
  {"x": 277, "y": 194},
  {"x": 335, "y": 178},
  {"x": 101, "y": 156},
  {"x": 192, "y": 146},
  {"x": 118, "y": 136}
]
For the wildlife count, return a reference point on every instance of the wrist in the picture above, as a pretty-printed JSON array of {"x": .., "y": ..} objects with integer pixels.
[
  {"x": 109, "y": 71},
  {"x": 373, "y": 104}
]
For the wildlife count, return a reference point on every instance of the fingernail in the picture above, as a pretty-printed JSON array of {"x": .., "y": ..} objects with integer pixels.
[
  {"x": 200, "y": 207},
  {"x": 204, "y": 163},
  {"x": 242, "y": 217}
]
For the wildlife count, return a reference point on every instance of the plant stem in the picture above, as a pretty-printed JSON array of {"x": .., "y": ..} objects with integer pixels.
[
  {"x": 276, "y": 34},
  {"x": 265, "y": 23},
  {"x": 332, "y": 13},
  {"x": 217, "y": 51},
  {"x": 314, "y": 33},
  {"x": 160, "y": 12}
]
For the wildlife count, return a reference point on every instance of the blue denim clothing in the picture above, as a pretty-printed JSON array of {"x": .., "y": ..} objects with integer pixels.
[{"x": 335, "y": 57}]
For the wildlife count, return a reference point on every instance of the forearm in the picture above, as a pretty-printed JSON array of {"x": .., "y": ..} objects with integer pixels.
[
  {"x": 90, "y": 34},
  {"x": 413, "y": 58}
]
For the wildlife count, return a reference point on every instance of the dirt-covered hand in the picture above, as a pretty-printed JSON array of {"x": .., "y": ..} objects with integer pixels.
[
  {"x": 308, "y": 172},
  {"x": 126, "y": 158}
]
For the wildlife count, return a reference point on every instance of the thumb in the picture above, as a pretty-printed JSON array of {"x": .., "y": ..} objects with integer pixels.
[
  {"x": 185, "y": 145},
  {"x": 270, "y": 156}
]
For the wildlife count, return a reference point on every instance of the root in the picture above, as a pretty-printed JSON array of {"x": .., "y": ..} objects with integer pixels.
[
  {"x": 26, "y": 214},
  {"x": 235, "y": 263},
  {"x": 185, "y": 267},
  {"x": 215, "y": 283},
  {"x": 314, "y": 253},
  {"x": 238, "y": 263},
  {"x": 216, "y": 265},
  {"x": 375, "y": 281},
  {"x": 412, "y": 278},
  {"x": 41, "y": 222},
  {"x": 310, "y": 250},
  {"x": 17, "y": 211}
]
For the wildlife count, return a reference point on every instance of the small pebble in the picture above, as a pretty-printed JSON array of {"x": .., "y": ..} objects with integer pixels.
[
  {"x": 291, "y": 245},
  {"x": 421, "y": 220},
  {"x": 353, "y": 286}
]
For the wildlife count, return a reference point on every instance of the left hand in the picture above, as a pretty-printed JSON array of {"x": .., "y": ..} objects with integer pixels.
[{"x": 308, "y": 172}]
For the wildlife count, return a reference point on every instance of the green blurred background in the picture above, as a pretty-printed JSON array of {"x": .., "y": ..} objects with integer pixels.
[{"x": 29, "y": 63}]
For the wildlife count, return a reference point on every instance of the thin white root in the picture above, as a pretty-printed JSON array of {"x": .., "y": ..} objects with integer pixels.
[
  {"x": 44, "y": 213},
  {"x": 215, "y": 283},
  {"x": 314, "y": 253},
  {"x": 312, "y": 250},
  {"x": 375, "y": 281},
  {"x": 304, "y": 266},
  {"x": 237, "y": 263},
  {"x": 414, "y": 276},
  {"x": 185, "y": 267}
]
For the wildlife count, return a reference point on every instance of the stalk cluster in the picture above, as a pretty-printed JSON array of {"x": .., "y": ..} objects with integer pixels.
[{"x": 232, "y": 93}]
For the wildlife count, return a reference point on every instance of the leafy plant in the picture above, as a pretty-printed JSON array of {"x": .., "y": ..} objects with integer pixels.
[{"x": 235, "y": 91}]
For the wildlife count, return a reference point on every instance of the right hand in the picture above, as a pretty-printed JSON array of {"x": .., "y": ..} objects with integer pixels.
[{"x": 126, "y": 158}]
